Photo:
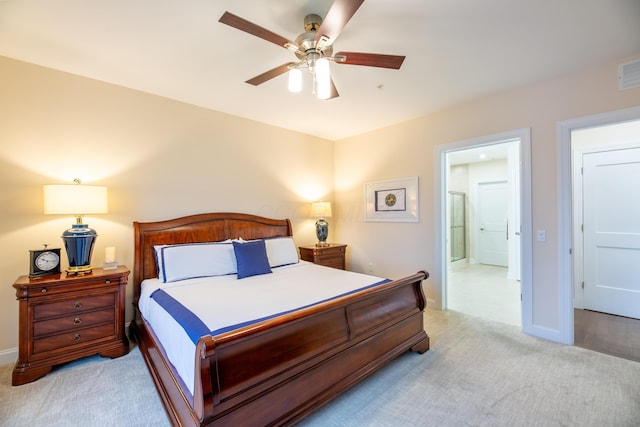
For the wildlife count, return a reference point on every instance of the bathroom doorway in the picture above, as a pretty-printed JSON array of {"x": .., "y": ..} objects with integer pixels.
[{"x": 462, "y": 166}]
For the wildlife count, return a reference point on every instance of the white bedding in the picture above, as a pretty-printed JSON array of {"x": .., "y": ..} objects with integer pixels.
[{"x": 223, "y": 301}]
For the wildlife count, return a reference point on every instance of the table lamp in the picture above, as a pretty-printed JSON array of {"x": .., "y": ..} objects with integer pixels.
[
  {"x": 321, "y": 210},
  {"x": 78, "y": 200}
]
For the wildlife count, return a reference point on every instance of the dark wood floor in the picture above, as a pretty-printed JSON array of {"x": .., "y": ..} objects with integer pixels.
[{"x": 606, "y": 333}]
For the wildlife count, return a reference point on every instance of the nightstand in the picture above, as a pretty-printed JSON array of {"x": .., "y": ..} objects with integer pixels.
[
  {"x": 331, "y": 255},
  {"x": 65, "y": 317}
]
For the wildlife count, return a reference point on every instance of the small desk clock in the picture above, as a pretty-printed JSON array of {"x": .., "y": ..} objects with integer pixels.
[{"x": 44, "y": 262}]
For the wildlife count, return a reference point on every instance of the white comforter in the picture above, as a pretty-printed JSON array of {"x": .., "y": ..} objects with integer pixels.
[{"x": 223, "y": 301}]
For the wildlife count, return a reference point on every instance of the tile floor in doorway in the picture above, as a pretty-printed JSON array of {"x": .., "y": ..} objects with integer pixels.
[{"x": 484, "y": 291}]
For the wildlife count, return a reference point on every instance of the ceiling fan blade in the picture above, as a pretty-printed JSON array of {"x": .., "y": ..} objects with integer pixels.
[
  {"x": 280, "y": 69},
  {"x": 339, "y": 14},
  {"x": 251, "y": 28},
  {"x": 371, "y": 59}
]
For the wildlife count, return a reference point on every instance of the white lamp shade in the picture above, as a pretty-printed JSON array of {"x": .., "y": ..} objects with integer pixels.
[
  {"x": 295, "y": 80},
  {"x": 323, "y": 72},
  {"x": 323, "y": 90},
  {"x": 75, "y": 199},
  {"x": 323, "y": 78},
  {"x": 321, "y": 209}
]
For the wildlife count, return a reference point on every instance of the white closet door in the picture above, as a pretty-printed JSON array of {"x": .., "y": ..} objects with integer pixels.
[{"x": 611, "y": 197}]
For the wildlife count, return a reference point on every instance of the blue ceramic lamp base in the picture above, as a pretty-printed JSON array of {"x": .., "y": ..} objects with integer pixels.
[
  {"x": 322, "y": 232},
  {"x": 78, "y": 241}
]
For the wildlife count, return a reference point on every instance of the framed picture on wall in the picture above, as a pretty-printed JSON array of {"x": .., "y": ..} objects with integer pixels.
[{"x": 394, "y": 200}]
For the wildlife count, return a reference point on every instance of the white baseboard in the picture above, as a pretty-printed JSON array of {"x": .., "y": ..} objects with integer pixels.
[
  {"x": 9, "y": 355},
  {"x": 432, "y": 304}
]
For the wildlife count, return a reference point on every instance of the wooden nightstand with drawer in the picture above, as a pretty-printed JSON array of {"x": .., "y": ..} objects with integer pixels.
[
  {"x": 66, "y": 317},
  {"x": 331, "y": 255}
]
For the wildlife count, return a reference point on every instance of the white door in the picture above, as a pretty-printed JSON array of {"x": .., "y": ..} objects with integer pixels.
[
  {"x": 492, "y": 223},
  {"x": 611, "y": 198}
]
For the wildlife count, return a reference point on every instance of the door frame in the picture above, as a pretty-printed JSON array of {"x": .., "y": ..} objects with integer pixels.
[
  {"x": 565, "y": 331},
  {"x": 441, "y": 168}
]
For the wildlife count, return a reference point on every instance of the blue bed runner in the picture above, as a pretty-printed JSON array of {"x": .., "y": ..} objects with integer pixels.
[{"x": 196, "y": 328}]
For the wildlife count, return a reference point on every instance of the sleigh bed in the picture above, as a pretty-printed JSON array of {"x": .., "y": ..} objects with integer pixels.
[{"x": 280, "y": 368}]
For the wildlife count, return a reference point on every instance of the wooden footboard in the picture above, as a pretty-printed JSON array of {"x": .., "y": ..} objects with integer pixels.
[
  {"x": 276, "y": 372},
  {"x": 279, "y": 371}
]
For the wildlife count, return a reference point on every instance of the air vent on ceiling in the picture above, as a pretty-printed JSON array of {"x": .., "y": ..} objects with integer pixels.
[{"x": 629, "y": 75}]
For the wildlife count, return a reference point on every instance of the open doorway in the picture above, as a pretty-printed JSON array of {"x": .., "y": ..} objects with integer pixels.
[
  {"x": 569, "y": 238},
  {"x": 482, "y": 182},
  {"x": 606, "y": 238},
  {"x": 522, "y": 264}
]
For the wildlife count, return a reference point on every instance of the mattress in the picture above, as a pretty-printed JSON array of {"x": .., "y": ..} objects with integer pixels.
[{"x": 214, "y": 305}]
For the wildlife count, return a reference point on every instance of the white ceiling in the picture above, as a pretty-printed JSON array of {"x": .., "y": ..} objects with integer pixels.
[
  {"x": 457, "y": 50},
  {"x": 478, "y": 154}
]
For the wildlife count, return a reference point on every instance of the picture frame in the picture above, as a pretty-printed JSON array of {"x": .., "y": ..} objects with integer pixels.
[{"x": 394, "y": 200}]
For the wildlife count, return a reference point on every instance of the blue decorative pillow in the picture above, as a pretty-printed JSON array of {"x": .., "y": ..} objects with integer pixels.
[{"x": 251, "y": 258}]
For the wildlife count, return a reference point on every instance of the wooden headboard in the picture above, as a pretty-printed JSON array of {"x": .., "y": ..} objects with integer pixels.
[{"x": 208, "y": 227}]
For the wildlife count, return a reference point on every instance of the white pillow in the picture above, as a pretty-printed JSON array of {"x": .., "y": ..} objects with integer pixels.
[
  {"x": 179, "y": 262},
  {"x": 281, "y": 251}
]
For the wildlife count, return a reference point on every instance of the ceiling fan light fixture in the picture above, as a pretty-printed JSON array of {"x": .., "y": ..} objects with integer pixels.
[
  {"x": 323, "y": 89},
  {"x": 295, "y": 80},
  {"x": 322, "y": 74},
  {"x": 322, "y": 70}
]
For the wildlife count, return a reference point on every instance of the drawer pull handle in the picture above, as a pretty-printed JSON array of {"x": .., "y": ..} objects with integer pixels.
[
  {"x": 108, "y": 282},
  {"x": 77, "y": 321},
  {"x": 43, "y": 290},
  {"x": 77, "y": 305},
  {"x": 76, "y": 338}
]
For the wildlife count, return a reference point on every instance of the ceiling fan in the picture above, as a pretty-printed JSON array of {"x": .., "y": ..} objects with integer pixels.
[{"x": 314, "y": 48}]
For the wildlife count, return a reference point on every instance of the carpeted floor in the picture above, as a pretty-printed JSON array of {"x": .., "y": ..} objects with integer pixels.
[
  {"x": 477, "y": 373},
  {"x": 93, "y": 391},
  {"x": 483, "y": 373}
]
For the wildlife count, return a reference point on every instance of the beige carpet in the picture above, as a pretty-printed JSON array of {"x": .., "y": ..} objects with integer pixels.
[
  {"x": 90, "y": 392},
  {"x": 477, "y": 373},
  {"x": 484, "y": 373}
]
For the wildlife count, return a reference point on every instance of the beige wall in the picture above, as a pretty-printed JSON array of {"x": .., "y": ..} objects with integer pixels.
[
  {"x": 407, "y": 149},
  {"x": 162, "y": 159},
  {"x": 159, "y": 158}
]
